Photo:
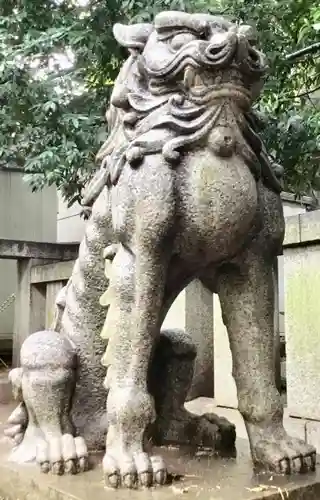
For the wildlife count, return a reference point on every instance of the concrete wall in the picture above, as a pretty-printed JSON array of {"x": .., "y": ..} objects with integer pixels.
[
  {"x": 70, "y": 227},
  {"x": 25, "y": 216}
]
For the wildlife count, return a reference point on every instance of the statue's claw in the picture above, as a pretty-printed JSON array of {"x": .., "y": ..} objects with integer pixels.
[
  {"x": 65, "y": 455},
  {"x": 159, "y": 470},
  {"x": 292, "y": 457},
  {"x": 132, "y": 471},
  {"x": 275, "y": 451},
  {"x": 126, "y": 463}
]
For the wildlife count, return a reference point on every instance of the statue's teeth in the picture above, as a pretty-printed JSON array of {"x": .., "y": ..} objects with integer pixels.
[
  {"x": 189, "y": 77},
  {"x": 198, "y": 81}
]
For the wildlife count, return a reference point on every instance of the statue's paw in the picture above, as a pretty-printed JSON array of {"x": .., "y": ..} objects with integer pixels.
[
  {"x": 133, "y": 470},
  {"x": 15, "y": 433},
  {"x": 206, "y": 431},
  {"x": 17, "y": 424},
  {"x": 65, "y": 455},
  {"x": 284, "y": 455},
  {"x": 217, "y": 432}
]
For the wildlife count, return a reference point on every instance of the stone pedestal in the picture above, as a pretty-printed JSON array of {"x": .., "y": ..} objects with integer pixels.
[{"x": 194, "y": 477}]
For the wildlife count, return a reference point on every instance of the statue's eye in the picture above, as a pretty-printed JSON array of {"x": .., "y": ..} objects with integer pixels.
[{"x": 182, "y": 39}]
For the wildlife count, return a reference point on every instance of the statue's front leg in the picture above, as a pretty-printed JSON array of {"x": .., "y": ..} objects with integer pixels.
[
  {"x": 137, "y": 285},
  {"x": 247, "y": 301},
  {"x": 45, "y": 383},
  {"x": 134, "y": 313}
]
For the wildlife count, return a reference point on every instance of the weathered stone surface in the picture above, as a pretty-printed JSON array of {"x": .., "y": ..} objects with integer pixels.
[
  {"x": 296, "y": 427},
  {"x": 302, "y": 327},
  {"x": 302, "y": 228},
  {"x": 292, "y": 234},
  {"x": 186, "y": 190},
  {"x": 49, "y": 401},
  {"x": 58, "y": 271},
  {"x": 22, "y": 316},
  {"x": 219, "y": 479},
  {"x": 52, "y": 291}
]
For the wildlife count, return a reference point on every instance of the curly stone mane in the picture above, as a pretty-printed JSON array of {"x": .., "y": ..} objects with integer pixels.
[{"x": 171, "y": 108}]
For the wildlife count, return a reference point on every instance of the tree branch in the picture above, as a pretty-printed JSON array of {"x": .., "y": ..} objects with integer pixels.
[
  {"x": 303, "y": 52},
  {"x": 308, "y": 92}
]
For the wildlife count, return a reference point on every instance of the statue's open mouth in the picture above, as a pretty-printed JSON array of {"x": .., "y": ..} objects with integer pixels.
[
  {"x": 205, "y": 86},
  {"x": 196, "y": 79}
]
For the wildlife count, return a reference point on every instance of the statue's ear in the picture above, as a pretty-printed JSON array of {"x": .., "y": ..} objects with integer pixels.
[{"x": 132, "y": 36}]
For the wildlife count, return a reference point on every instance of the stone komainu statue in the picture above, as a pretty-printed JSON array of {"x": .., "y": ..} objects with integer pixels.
[{"x": 185, "y": 191}]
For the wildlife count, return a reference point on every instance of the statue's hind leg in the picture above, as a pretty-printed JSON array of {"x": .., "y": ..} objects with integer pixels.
[{"x": 246, "y": 294}]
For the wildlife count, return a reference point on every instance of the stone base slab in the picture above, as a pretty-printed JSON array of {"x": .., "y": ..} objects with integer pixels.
[
  {"x": 194, "y": 477},
  {"x": 200, "y": 478}
]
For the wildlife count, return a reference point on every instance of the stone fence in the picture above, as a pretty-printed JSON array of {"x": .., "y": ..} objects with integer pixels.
[
  {"x": 43, "y": 268},
  {"x": 302, "y": 315},
  {"x": 197, "y": 312}
]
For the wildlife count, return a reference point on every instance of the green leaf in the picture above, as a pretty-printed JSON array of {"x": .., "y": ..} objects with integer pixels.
[
  {"x": 49, "y": 106},
  {"x": 52, "y": 117}
]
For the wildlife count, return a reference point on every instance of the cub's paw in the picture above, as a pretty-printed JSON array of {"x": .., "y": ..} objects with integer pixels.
[{"x": 17, "y": 424}]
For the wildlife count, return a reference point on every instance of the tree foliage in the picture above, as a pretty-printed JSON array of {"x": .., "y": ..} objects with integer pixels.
[{"x": 58, "y": 61}]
